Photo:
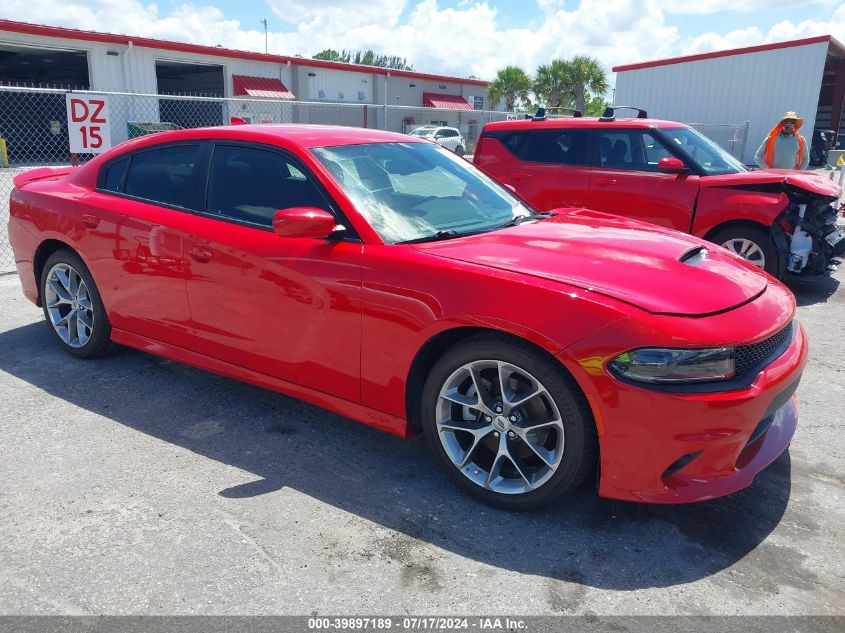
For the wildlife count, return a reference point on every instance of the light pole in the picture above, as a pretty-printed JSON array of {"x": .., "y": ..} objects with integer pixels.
[{"x": 264, "y": 22}]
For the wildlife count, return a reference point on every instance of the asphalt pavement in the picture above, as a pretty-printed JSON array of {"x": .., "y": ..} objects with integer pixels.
[{"x": 135, "y": 485}]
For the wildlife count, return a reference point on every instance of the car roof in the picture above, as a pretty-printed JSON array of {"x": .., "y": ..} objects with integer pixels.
[
  {"x": 580, "y": 122},
  {"x": 285, "y": 134}
]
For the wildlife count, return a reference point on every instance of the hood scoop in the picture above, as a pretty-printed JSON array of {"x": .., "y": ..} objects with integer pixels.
[{"x": 694, "y": 256}]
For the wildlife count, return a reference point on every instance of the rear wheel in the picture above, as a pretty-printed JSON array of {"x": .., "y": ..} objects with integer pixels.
[
  {"x": 506, "y": 424},
  {"x": 72, "y": 306},
  {"x": 459, "y": 150},
  {"x": 752, "y": 244}
]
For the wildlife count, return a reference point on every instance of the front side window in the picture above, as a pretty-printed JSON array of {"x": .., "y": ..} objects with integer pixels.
[
  {"x": 250, "y": 185},
  {"x": 634, "y": 150},
  {"x": 712, "y": 159},
  {"x": 164, "y": 175},
  {"x": 615, "y": 150},
  {"x": 413, "y": 191}
]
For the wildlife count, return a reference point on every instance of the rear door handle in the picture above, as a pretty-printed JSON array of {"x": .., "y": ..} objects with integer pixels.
[
  {"x": 201, "y": 253},
  {"x": 604, "y": 182}
]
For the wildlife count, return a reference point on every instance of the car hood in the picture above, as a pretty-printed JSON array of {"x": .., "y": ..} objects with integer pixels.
[
  {"x": 655, "y": 269},
  {"x": 801, "y": 180}
]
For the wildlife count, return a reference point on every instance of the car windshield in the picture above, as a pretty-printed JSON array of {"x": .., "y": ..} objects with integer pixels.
[
  {"x": 708, "y": 155},
  {"x": 422, "y": 132},
  {"x": 419, "y": 191}
]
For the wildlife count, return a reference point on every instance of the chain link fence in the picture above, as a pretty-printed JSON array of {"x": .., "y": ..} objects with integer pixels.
[
  {"x": 732, "y": 137},
  {"x": 34, "y": 126}
]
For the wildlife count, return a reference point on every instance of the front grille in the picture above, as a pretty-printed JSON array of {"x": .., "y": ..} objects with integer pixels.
[{"x": 749, "y": 356}]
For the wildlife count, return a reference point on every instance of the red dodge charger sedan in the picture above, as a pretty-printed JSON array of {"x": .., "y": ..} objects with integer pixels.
[{"x": 386, "y": 279}]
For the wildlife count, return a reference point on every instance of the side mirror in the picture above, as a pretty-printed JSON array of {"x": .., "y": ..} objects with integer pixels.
[
  {"x": 303, "y": 222},
  {"x": 671, "y": 165}
]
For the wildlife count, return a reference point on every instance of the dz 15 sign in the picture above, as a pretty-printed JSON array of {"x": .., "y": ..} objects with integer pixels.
[{"x": 88, "y": 124}]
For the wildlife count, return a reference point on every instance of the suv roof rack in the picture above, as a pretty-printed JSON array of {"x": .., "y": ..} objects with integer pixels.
[
  {"x": 610, "y": 112},
  {"x": 541, "y": 114}
]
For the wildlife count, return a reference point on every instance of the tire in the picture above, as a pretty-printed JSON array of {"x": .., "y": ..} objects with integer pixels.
[
  {"x": 459, "y": 150},
  {"x": 468, "y": 441},
  {"x": 753, "y": 244},
  {"x": 73, "y": 307}
]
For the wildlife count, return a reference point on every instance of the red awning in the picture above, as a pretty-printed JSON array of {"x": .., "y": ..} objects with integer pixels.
[
  {"x": 446, "y": 102},
  {"x": 266, "y": 87}
]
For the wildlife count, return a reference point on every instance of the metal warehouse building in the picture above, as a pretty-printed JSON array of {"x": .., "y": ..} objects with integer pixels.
[
  {"x": 340, "y": 93},
  {"x": 756, "y": 84}
]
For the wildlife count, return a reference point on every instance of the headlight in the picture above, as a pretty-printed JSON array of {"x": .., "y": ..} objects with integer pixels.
[{"x": 661, "y": 365}]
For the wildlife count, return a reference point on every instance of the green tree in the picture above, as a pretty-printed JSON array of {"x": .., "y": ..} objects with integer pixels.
[
  {"x": 585, "y": 76},
  {"x": 511, "y": 85},
  {"x": 365, "y": 58},
  {"x": 595, "y": 106},
  {"x": 552, "y": 84},
  {"x": 331, "y": 55}
]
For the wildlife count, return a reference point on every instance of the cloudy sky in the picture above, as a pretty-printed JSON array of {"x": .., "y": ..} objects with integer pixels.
[{"x": 456, "y": 37}]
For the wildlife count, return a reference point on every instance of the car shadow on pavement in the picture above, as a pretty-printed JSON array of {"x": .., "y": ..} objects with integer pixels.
[
  {"x": 812, "y": 290},
  {"x": 285, "y": 443}
]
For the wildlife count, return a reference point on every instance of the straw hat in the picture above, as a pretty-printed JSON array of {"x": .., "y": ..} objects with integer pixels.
[{"x": 793, "y": 115}]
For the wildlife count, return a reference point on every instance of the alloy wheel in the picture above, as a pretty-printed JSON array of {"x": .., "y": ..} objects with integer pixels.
[
  {"x": 500, "y": 427},
  {"x": 68, "y": 304}
]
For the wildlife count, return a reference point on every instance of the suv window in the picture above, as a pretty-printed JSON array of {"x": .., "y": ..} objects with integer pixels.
[
  {"x": 556, "y": 147},
  {"x": 163, "y": 175},
  {"x": 250, "y": 184},
  {"x": 635, "y": 150}
]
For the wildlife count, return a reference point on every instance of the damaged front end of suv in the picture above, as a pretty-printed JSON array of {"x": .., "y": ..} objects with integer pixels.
[
  {"x": 809, "y": 222},
  {"x": 802, "y": 211}
]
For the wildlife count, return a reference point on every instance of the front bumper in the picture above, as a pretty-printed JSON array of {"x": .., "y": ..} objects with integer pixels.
[{"x": 664, "y": 447}]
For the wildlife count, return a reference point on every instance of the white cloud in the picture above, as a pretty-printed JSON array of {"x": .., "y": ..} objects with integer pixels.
[
  {"x": 780, "y": 32},
  {"x": 707, "y": 7},
  {"x": 341, "y": 14},
  {"x": 467, "y": 40}
]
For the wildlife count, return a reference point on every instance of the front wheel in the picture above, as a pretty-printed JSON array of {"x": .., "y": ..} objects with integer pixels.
[
  {"x": 753, "y": 244},
  {"x": 72, "y": 306},
  {"x": 507, "y": 424}
]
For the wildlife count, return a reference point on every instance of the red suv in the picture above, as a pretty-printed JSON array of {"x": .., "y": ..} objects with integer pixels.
[{"x": 667, "y": 173}]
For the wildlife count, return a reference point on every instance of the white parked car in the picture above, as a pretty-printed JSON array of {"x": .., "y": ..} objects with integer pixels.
[{"x": 449, "y": 137}]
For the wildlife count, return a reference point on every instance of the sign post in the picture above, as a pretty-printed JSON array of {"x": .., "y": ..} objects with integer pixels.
[{"x": 88, "y": 123}]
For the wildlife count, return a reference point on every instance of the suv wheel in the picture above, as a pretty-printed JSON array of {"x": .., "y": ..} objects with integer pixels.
[
  {"x": 459, "y": 150},
  {"x": 752, "y": 244}
]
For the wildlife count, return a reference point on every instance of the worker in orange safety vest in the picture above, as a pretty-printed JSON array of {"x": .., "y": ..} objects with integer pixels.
[{"x": 784, "y": 147}]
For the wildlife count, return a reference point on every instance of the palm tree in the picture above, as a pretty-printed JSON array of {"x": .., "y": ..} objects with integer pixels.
[
  {"x": 585, "y": 75},
  {"x": 511, "y": 84},
  {"x": 552, "y": 84}
]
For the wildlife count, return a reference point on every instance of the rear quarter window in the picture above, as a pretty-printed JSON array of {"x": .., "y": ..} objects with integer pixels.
[
  {"x": 114, "y": 174},
  {"x": 164, "y": 175}
]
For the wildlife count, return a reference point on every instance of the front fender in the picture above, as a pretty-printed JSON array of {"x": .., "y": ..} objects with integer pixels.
[{"x": 720, "y": 205}]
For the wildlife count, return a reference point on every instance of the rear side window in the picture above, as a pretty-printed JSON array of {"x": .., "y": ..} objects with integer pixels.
[
  {"x": 553, "y": 147},
  {"x": 115, "y": 174},
  {"x": 249, "y": 185},
  {"x": 164, "y": 175}
]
